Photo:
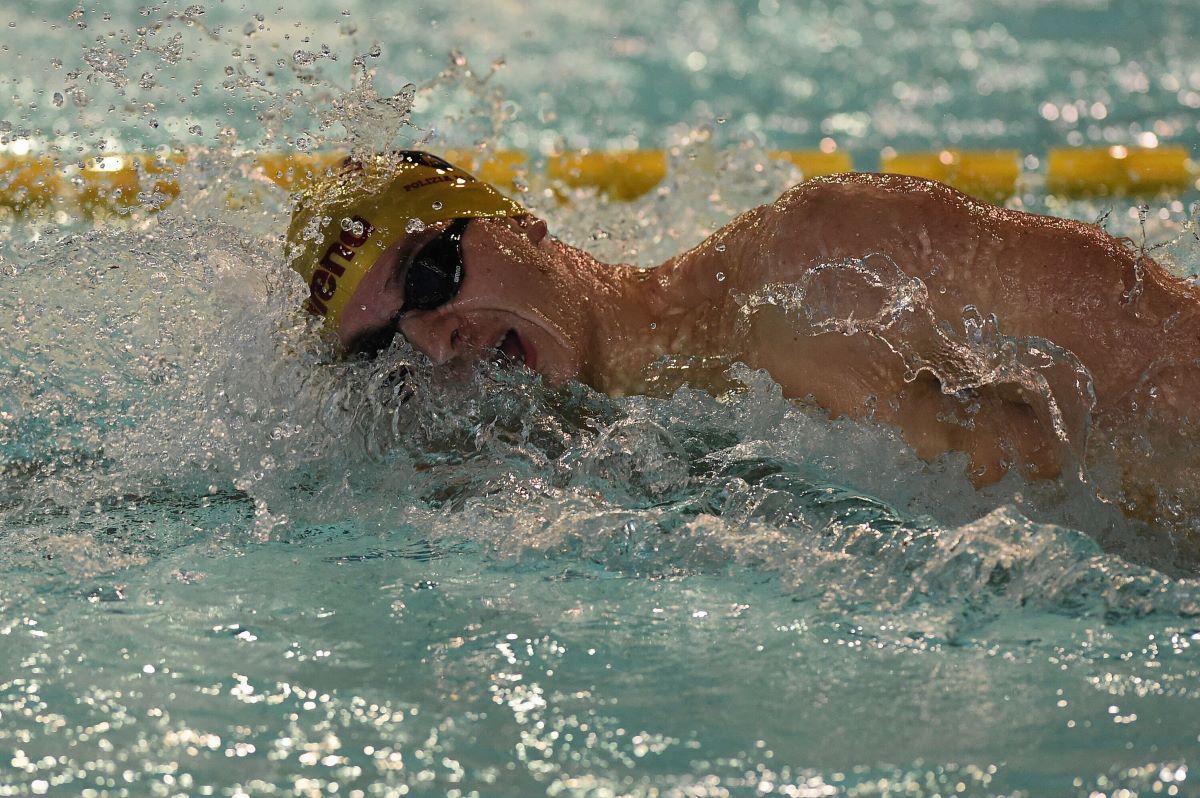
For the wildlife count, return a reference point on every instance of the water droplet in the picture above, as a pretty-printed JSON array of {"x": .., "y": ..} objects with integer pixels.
[
  {"x": 437, "y": 205},
  {"x": 720, "y": 247},
  {"x": 720, "y": 277},
  {"x": 414, "y": 226}
]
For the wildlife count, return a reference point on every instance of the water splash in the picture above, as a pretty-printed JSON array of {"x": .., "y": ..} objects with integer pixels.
[
  {"x": 830, "y": 298},
  {"x": 365, "y": 574}
]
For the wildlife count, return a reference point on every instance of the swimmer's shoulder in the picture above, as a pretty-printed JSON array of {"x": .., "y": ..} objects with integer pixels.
[
  {"x": 854, "y": 208},
  {"x": 875, "y": 188}
]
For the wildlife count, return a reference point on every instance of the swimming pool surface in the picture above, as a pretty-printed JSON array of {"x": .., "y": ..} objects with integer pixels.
[{"x": 232, "y": 566}]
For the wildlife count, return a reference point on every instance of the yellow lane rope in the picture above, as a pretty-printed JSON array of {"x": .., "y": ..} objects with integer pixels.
[
  {"x": 991, "y": 175},
  {"x": 120, "y": 181}
]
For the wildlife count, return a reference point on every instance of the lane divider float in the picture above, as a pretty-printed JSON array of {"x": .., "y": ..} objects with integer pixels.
[{"x": 115, "y": 182}]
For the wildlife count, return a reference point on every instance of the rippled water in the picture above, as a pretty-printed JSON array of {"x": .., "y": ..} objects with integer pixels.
[
  {"x": 911, "y": 74},
  {"x": 230, "y": 564}
]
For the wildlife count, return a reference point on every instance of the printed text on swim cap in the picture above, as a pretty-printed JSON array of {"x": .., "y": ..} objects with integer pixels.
[{"x": 323, "y": 284}]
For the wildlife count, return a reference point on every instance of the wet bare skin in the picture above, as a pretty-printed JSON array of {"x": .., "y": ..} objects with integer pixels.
[
  {"x": 1122, "y": 315},
  {"x": 1133, "y": 327}
]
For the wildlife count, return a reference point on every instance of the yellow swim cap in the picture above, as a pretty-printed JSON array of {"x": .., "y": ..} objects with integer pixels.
[{"x": 342, "y": 224}]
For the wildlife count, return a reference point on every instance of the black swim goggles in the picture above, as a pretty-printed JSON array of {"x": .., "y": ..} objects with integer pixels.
[
  {"x": 433, "y": 277},
  {"x": 435, "y": 272}
]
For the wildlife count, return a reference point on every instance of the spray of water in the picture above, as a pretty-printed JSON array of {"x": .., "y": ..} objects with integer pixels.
[{"x": 157, "y": 363}]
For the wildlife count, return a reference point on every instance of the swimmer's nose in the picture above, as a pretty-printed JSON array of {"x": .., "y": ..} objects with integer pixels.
[{"x": 437, "y": 334}]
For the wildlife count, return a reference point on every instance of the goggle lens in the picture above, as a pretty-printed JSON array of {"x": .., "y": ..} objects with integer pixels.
[{"x": 436, "y": 271}]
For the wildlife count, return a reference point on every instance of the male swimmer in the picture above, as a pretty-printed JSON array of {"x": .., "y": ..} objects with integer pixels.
[{"x": 1008, "y": 336}]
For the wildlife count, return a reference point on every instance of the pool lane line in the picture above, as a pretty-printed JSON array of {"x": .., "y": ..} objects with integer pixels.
[{"x": 118, "y": 182}]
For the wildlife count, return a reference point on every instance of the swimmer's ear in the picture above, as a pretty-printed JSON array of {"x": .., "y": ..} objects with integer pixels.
[{"x": 534, "y": 228}]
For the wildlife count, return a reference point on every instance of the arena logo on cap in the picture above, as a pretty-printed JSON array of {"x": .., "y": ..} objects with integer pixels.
[{"x": 323, "y": 284}]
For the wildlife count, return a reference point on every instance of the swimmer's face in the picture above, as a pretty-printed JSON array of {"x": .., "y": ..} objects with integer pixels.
[{"x": 514, "y": 301}]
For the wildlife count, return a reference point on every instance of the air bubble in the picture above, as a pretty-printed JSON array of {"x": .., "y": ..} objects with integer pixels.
[
  {"x": 303, "y": 57},
  {"x": 720, "y": 247},
  {"x": 58, "y": 99},
  {"x": 414, "y": 226},
  {"x": 195, "y": 130},
  {"x": 437, "y": 205},
  {"x": 720, "y": 277}
]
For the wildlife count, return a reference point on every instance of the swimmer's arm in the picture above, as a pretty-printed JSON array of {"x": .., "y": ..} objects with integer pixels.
[{"x": 908, "y": 228}]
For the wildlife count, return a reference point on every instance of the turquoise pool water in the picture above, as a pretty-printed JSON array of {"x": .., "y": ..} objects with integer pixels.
[{"x": 230, "y": 566}]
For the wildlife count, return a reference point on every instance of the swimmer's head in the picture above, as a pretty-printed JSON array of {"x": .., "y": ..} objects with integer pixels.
[
  {"x": 344, "y": 223},
  {"x": 409, "y": 245}
]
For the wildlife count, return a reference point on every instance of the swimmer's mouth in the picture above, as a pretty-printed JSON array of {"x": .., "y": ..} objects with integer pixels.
[{"x": 513, "y": 349}]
